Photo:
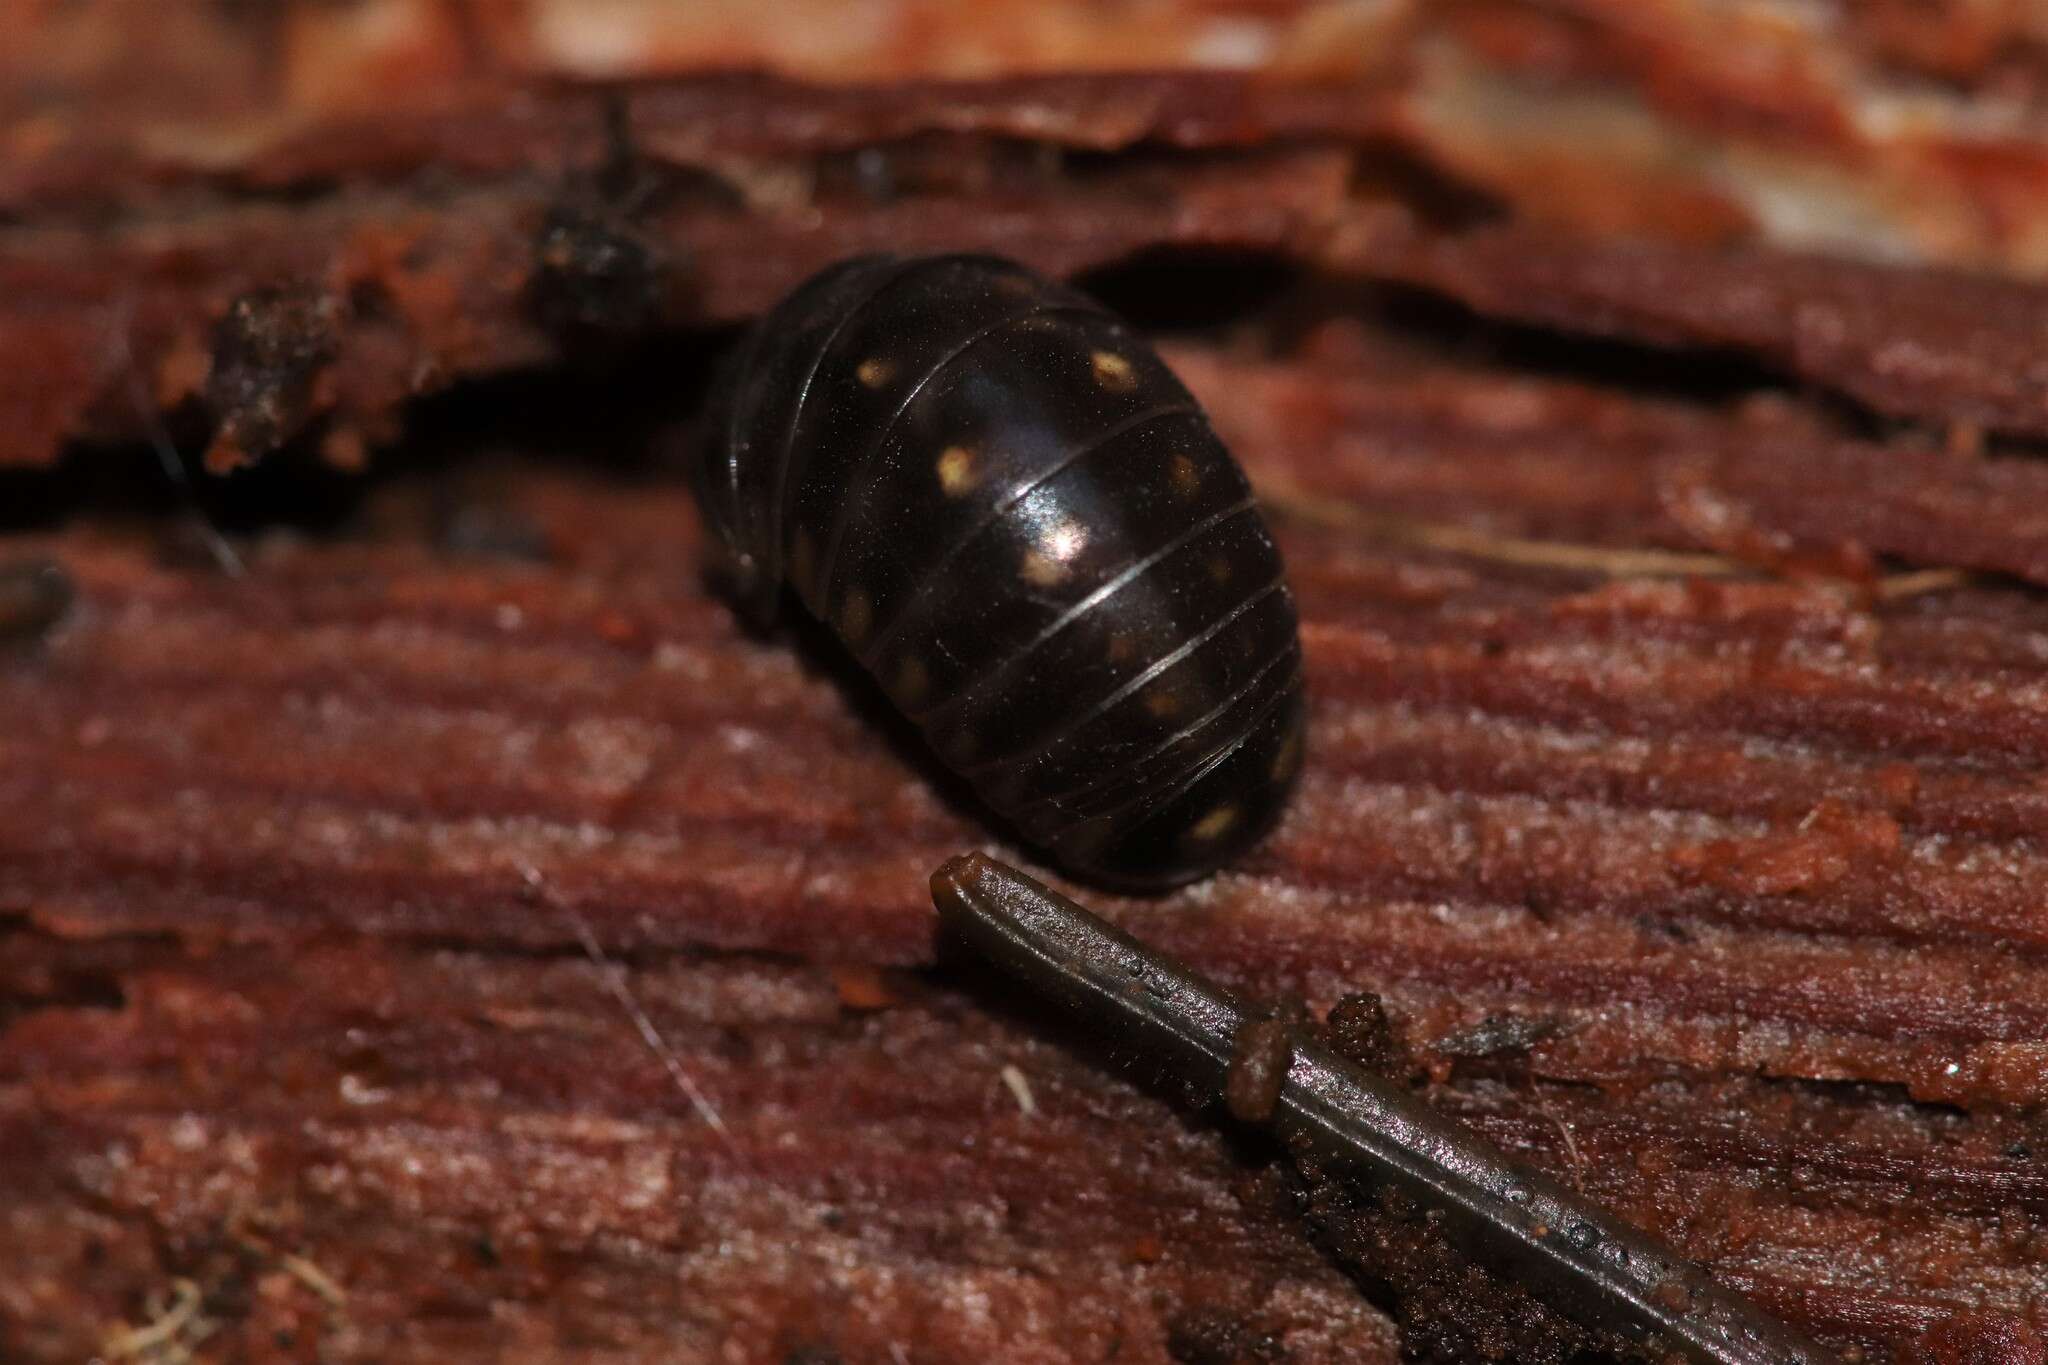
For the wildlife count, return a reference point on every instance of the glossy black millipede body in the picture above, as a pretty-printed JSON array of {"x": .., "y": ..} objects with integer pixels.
[{"x": 1020, "y": 523}]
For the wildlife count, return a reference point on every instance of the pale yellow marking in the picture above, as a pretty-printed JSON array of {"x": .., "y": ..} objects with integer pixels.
[
  {"x": 875, "y": 372},
  {"x": 1289, "y": 757},
  {"x": 1163, "y": 702},
  {"x": 1049, "y": 563},
  {"x": 956, "y": 470},
  {"x": 1186, "y": 478},
  {"x": 1214, "y": 825},
  {"x": 911, "y": 681},
  {"x": 803, "y": 559},
  {"x": 1121, "y": 647},
  {"x": 1042, "y": 570},
  {"x": 855, "y": 617},
  {"x": 1219, "y": 569},
  {"x": 1113, "y": 372}
]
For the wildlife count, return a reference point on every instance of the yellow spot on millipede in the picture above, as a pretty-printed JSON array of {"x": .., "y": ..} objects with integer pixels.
[
  {"x": 1186, "y": 478},
  {"x": 1042, "y": 570},
  {"x": 956, "y": 470},
  {"x": 1289, "y": 757},
  {"x": 855, "y": 617},
  {"x": 1163, "y": 702},
  {"x": 1113, "y": 372},
  {"x": 911, "y": 681},
  {"x": 803, "y": 559},
  {"x": 1052, "y": 559},
  {"x": 1219, "y": 569},
  {"x": 875, "y": 372},
  {"x": 1214, "y": 825}
]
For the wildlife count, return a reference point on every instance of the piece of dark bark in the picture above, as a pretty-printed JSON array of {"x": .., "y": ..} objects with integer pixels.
[{"x": 1928, "y": 345}]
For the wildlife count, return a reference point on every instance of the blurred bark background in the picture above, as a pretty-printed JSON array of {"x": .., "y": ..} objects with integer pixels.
[{"x": 430, "y": 926}]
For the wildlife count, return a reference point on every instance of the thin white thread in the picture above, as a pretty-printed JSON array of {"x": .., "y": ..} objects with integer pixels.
[
  {"x": 1571, "y": 1145},
  {"x": 614, "y": 979},
  {"x": 160, "y": 440}
]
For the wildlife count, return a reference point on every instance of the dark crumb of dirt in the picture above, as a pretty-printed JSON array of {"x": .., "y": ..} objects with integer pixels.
[
  {"x": 1359, "y": 1030},
  {"x": 1498, "y": 1035},
  {"x": 1449, "y": 1309},
  {"x": 268, "y": 354},
  {"x": 1212, "y": 1336},
  {"x": 1969, "y": 1338},
  {"x": 593, "y": 273},
  {"x": 1258, "y": 1068},
  {"x": 34, "y": 596}
]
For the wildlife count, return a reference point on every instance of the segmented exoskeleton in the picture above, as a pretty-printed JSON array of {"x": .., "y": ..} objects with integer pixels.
[{"x": 1019, "y": 521}]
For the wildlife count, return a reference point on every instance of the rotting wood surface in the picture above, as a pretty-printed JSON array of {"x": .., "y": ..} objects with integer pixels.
[{"x": 303, "y": 1054}]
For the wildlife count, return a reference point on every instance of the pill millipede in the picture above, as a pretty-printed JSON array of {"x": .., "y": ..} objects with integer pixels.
[{"x": 1016, "y": 518}]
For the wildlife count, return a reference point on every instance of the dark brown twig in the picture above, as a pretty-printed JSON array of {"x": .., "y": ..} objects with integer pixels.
[{"x": 1581, "y": 1260}]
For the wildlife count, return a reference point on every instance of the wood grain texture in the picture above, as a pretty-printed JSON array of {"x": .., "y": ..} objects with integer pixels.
[{"x": 297, "y": 867}]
